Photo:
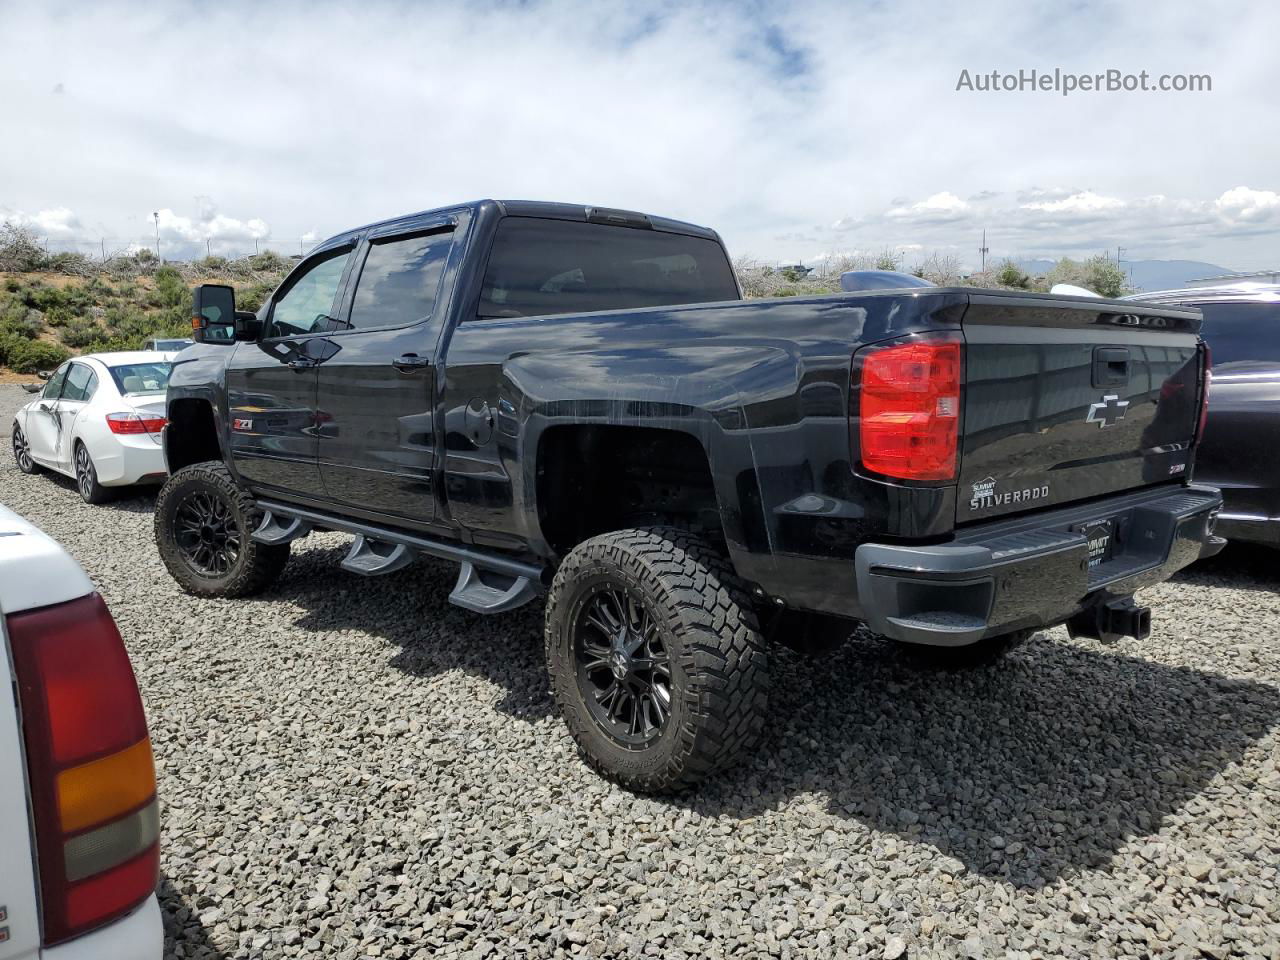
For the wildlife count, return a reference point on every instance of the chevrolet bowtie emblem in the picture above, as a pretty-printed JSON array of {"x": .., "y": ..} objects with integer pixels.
[{"x": 1108, "y": 411}]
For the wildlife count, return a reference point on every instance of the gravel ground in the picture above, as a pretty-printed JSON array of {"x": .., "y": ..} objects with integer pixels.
[{"x": 353, "y": 768}]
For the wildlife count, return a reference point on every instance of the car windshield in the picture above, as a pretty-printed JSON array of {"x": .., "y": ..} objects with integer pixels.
[{"x": 133, "y": 379}]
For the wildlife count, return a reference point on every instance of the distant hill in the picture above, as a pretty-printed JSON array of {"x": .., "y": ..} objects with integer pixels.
[{"x": 1148, "y": 274}]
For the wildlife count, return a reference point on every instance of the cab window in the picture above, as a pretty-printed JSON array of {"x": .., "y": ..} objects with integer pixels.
[
  {"x": 309, "y": 303},
  {"x": 400, "y": 280}
]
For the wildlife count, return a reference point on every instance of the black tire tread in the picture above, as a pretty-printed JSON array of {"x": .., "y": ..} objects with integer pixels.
[
  {"x": 725, "y": 657},
  {"x": 262, "y": 564}
]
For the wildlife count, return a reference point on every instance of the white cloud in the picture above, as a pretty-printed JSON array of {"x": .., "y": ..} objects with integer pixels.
[
  {"x": 57, "y": 223},
  {"x": 938, "y": 207},
  {"x": 1241, "y": 204},
  {"x": 1084, "y": 202}
]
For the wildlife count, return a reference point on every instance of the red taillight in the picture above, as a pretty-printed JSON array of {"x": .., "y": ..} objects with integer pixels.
[
  {"x": 134, "y": 423},
  {"x": 1206, "y": 379},
  {"x": 89, "y": 763},
  {"x": 908, "y": 406}
]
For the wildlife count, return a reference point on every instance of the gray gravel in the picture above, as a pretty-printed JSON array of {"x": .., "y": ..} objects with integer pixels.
[{"x": 353, "y": 768}]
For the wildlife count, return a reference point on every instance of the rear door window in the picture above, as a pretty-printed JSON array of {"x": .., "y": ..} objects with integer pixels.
[
  {"x": 400, "y": 280},
  {"x": 541, "y": 266}
]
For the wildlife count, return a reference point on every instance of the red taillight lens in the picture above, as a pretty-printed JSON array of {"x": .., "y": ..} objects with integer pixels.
[
  {"x": 89, "y": 763},
  {"x": 1206, "y": 380},
  {"x": 133, "y": 423},
  {"x": 909, "y": 409}
]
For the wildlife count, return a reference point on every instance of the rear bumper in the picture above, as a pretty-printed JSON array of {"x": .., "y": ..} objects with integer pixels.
[
  {"x": 1031, "y": 572},
  {"x": 1265, "y": 530},
  {"x": 135, "y": 936},
  {"x": 132, "y": 459}
]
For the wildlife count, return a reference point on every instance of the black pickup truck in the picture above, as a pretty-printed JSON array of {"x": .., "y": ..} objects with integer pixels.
[{"x": 576, "y": 402}]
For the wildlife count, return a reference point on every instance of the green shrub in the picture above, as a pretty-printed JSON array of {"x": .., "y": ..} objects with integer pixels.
[
  {"x": 250, "y": 297},
  {"x": 32, "y": 356},
  {"x": 81, "y": 333}
]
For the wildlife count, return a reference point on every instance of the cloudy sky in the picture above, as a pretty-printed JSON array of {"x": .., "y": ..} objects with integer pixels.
[{"x": 795, "y": 129}]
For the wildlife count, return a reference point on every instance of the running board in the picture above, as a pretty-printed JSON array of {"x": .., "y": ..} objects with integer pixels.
[
  {"x": 369, "y": 557},
  {"x": 275, "y": 530},
  {"x": 501, "y": 594},
  {"x": 487, "y": 582}
]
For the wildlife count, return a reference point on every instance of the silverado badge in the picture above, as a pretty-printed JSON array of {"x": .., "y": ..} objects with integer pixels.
[
  {"x": 985, "y": 496},
  {"x": 1107, "y": 412}
]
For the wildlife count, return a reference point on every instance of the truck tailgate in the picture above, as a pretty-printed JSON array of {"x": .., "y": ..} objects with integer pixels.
[{"x": 1071, "y": 398}]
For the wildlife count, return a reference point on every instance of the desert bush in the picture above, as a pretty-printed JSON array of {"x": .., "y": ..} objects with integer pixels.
[
  {"x": 81, "y": 333},
  {"x": 20, "y": 252},
  {"x": 250, "y": 297},
  {"x": 31, "y": 356},
  {"x": 72, "y": 264}
]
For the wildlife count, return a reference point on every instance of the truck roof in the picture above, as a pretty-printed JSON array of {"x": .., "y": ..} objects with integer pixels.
[
  {"x": 34, "y": 570},
  {"x": 533, "y": 208}
]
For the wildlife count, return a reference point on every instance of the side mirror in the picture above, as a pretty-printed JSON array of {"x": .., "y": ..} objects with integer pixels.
[
  {"x": 248, "y": 326},
  {"x": 213, "y": 313}
]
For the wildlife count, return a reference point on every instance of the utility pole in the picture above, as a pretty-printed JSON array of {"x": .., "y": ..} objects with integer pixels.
[
  {"x": 104, "y": 249},
  {"x": 208, "y": 249},
  {"x": 156, "y": 214},
  {"x": 1119, "y": 251},
  {"x": 984, "y": 249},
  {"x": 255, "y": 246}
]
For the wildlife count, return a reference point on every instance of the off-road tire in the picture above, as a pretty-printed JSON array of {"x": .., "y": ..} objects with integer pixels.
[
  {"x": 718, "y": 658},
  {"x": 87, "y": 485},
  {"x": 256, "y": 565},
  {"x": 971, "y": 657},
  {"x": 22, "y": 452}
]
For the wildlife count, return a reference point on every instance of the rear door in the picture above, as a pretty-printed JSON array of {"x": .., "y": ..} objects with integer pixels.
[
  {"x": 271, "y": 384},
  {"x": 1068, "y": 399},
  {"x": 377, "y": 448}
]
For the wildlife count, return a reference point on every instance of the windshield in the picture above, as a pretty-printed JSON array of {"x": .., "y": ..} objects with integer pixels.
[
  {"x": 172, "y": 344},
  {"x": 541, "y": 266},
  {"x": 134, "y": 379}
]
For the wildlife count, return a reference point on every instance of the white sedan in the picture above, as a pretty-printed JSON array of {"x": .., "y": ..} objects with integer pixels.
[{"x": 98, "y": 419}]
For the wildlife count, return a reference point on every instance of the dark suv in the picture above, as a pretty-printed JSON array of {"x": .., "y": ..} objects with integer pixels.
[{"x": 1240, "y": 451}]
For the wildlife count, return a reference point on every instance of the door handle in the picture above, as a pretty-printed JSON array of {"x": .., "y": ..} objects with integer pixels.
[
  {"x": 1110, "y": 366},
  {"x": 410, "y": 362},
  {"x": 301, "y": 363}
]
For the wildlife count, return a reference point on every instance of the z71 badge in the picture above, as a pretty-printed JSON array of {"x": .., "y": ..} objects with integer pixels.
[{"x": 985, "y": 496}]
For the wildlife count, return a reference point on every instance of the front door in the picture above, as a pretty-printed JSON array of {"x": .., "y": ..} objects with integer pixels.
[
  {"x": 44, "y": 427},
  {"x": 271, "y": 384},
  {"x": 377, "y": 435}
]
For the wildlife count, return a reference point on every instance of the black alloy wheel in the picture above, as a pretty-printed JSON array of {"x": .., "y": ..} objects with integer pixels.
[
  {"x": 207, "y": 534},
  {"x": 623, "y": 669}
]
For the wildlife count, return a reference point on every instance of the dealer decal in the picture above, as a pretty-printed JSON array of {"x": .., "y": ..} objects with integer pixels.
[{"x": 986, "y": 497}]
